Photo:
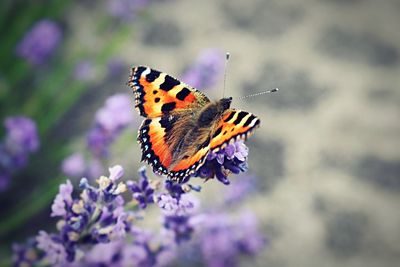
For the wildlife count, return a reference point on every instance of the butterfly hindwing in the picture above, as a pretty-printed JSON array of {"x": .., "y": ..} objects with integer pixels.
[
  {"x": 155, "y": 141},
  {"x": 157, "y": 93},
  {"x": 234, "y": 125}
]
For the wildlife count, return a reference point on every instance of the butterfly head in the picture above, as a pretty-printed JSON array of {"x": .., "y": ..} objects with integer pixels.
[{"x": 226, "y": 102}]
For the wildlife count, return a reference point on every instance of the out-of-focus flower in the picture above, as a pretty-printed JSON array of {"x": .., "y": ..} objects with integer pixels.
[
  {"x": 142, "y": 190},
  {"x": 26, "y": 254},
  {"x": 22, "y": 136},
  {"x": 39, "y": 42},
  {"x": 223, "y": 240},
  {"x": 126, "y": 9},
  {"x": 204, "y": 73},
  {"x": 238, "y": 190},
  {"x": 74, "y": 165},
  {"x": 231, "y": 159},
  {"x": 84, "y": 71},
  {"x": 110, "y": 121},
  {"x": 115, "y": 67},
  {"x": 21, "y": 140}
]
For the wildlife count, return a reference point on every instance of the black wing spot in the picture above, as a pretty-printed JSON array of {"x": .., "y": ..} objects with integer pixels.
[
  {"x": 230, "y": 117},
  {"x": 152, "y": 76},
  {"x": 249, "y": 120},
  {"x": 157, "y": 99},
  {"x": 167, "y": 107},
  {"x": 232, "y": 129},
  {"x": 240, "y": 116},
  {"x": 155, "y": 92},
  {"x": 169, "y": 83},
  {"x": 217, "y": 132},
  {"x": 224, "y": 132},
  {"x": 183, "y": 94}
]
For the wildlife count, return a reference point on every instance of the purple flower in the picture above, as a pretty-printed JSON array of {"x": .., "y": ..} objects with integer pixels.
[
  {"x": 62, "y": 200},
  {"x": 205, "y": 71},
  {"x": 126, "y": 9},
  {"x": 231, "y": 159},
  {"x": 21, "y": 140},
  {"x": 115, "y": 67},
  {"x": 22, "y": 136},
  {"x": 84, "y": 71},
  {"x": 97, "y": 216},
  {"x": 52, "y": 246},
  {"x": 223, "y": 240},
  {"x": 39, "y": 42},
  {"x": 74, "y": 165},
  {"x": 110, "y": 121},
  {"x": 177, "y": 214},
  {"x": 142, "y": 190},
  {"x": 26, "y": 254}
]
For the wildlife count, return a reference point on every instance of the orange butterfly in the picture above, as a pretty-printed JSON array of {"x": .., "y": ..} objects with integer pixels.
[{"x": 182, "y": 125}]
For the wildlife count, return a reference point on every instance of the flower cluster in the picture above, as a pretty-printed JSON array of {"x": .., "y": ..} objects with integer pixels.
[
  {"x": 110, "y": 121},
  {"x": 98, "y": 228},
  {"x": 205, "y": 71},
  {"x": 231, "y": 159},
  {"x": 39, "y": 42},
  {"x": 21, "y": 140}
]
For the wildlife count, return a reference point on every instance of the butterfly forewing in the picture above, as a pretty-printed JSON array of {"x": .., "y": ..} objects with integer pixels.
[{"x": 157, "y": 93}]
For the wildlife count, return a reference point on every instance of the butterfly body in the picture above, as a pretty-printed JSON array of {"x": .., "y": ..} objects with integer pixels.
[{"x": 181, "y": 124}]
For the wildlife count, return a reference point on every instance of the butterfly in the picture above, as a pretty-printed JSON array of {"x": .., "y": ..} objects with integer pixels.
[{"x": 181, "y": 124}]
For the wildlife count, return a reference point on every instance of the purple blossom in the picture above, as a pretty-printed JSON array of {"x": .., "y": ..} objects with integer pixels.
[
  {"x": 26, "y": 254},
  {"x": 39, "y": 42},
  {"x": 110, "y": 121},
  {"x": 21, "y": 140},
  {"x": 62, "y": 200},
  {"x": 223, "y": 240},
  {"x": 97, "y": 216},
  {"x": 126, "y": 9},
  {"x": 56, "y": 254},
  {"x": 74, "y": 165},
  {"x": 84, "y": 71},
  {"x": 231, "y": 159},
  {"x": 204, "y": 73},
  {"x": 178, "y": 211},
  {"x": 142, "y": 191},
  {"x": 115, "y": 67},
  {"x": 22, "y": 136}
]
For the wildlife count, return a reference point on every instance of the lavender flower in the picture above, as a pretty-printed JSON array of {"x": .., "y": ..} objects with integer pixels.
[
  {"x": 26, "y": 254},
  {"x": 74, "y": 165},
  {"x": 110, "y": 121},
  {"x": 39, "y": 42},
  {"x": 178, "y": 210},
  {"x": 84, "y": 71},
  {"x": 231, "y": 159},
  {"x": 142, "y": 190},
  {"x": 205, "y": 71},
  {"x": 98, "y": 216},
  {"x": 21, "y": 140},
  {"x": 223, "y": 240},
  {"x": 126, "y": 9}
]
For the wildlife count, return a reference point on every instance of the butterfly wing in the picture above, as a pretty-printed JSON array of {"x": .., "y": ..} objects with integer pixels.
[
  {"x": 155, "y": 141},
  {"x": 234, "y": 125},
  {"x": 157, "y": 93}
]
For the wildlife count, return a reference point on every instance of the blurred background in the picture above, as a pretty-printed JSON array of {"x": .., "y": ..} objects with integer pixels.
[{"x": 325, "y": 164}]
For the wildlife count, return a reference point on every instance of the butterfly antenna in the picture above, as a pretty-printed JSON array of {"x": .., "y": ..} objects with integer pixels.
[
  {"x": 260, "y": 93},
  {"x": 225, "y": 71}
]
